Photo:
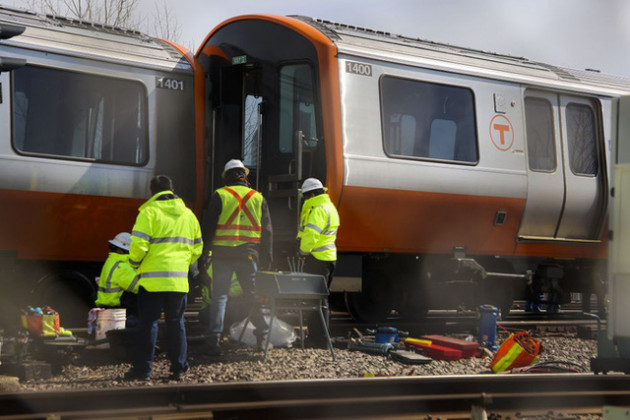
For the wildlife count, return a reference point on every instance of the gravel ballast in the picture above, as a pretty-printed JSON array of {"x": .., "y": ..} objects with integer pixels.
[{"x": 239, "y": 364}]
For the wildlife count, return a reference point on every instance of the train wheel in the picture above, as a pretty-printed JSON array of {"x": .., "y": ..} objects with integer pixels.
[
  {"x": 70, "y": 293},
  {"x": 374, "y": 303}
]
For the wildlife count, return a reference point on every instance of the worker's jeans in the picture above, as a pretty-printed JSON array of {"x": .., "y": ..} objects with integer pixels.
[
  {"x": 316, "y": 335},
  {"x": 222, "y": 269},
  {"x": 150, "y": 305}
]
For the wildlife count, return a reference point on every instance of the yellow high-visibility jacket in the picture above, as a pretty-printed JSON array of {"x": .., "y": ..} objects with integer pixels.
[
  {"x": 165, "y": 241},
  {"x": 116, "y": 277},
  {"x": 319, "y": 222},
  {"x": 240, "y": 219}
]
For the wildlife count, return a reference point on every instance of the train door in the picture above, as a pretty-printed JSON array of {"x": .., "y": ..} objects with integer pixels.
[
  {"x": 585, "y": 199},
  {"x": 565, "y": 194},
  {"x": 545, "y": 187},
  {"x": 299, "y": 152},
  {"x": 273, "y": 112},
  {"x": 296, "y": 153}
]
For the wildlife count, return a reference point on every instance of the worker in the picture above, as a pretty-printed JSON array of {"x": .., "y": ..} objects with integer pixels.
[
  {"x": 116, "y": 286},
  {"x": 165, "y": 242},
  {"x": 239, "y": 233},
  {"x": 317, "y": 234}
]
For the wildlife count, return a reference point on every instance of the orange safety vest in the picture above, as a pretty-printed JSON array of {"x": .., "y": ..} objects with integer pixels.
[{"x": 240, "y": 219}]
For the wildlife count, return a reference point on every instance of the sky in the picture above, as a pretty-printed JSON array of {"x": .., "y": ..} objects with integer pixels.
[{"x": 578, "y": 34}]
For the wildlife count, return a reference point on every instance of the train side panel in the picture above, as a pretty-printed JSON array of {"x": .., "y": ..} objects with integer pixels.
[
  {"x": 432, "y": 204},
  {"x": 89, "y": 118}
]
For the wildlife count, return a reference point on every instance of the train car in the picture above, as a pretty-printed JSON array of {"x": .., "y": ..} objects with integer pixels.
[
  {"x": 88, "y": 114},
  {"x": 461, "y": 177}
]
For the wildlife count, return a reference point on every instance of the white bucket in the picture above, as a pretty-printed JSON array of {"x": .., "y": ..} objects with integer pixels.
[{"x": 109, "y": 319}]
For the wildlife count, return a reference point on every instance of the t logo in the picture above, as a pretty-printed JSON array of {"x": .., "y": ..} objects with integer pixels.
[{"x": 501, "y": 132}]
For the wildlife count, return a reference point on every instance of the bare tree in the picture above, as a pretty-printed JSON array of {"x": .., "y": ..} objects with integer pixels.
[
  {"x": 122, "y": 13},
  {"x": 108, "y": 12},
  {"x": 165, "y": 25}
]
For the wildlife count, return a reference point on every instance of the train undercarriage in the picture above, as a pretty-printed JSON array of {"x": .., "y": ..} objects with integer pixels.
[
  {"x": 409, "y": 285},
  {"x": 401, "y": 285}
]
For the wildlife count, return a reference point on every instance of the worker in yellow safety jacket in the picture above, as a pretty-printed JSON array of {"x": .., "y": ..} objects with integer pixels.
[
  {"x": 238, "y": 231},
  {"x": 165, "y": 242},
  {"x": 116, "y": 285},
  {"x": 317, "y": 233}
]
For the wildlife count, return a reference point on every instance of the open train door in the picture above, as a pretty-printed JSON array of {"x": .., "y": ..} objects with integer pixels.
[
  {"x": 619, "y": 264},
  {"x": 263, "y": 106}
]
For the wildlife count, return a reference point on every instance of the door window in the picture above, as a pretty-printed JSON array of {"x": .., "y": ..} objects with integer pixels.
[
  {"x": 297, "y": 108},
  {"x": 252, "y": 124},
  {"x": 582, "y": 139},
  {"x": 541, "y": 149}
]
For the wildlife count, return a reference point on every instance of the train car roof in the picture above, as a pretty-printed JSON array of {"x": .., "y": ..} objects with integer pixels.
[
  {"x": 95, "y": 41},
  {"x": 384, "y": 46}
]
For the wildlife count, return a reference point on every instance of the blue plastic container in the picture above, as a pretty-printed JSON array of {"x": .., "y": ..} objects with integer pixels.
[
  {"x": 487, "y": 336},
  {"x": 386, "y": 335}
]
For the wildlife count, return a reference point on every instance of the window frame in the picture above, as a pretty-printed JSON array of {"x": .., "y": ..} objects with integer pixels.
[
  {"x": 144, "y": 116},
  {"x": 422, "y": 158}
]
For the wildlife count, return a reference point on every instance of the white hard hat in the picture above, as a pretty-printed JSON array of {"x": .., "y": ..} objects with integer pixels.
[
  {"x": 122, "y": 241},
  {"x": 311, "y": 184},
  {"x": 233, "y": 164}
]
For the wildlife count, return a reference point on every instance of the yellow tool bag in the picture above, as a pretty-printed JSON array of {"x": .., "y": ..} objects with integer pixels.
[
  {"x": 42, "y": 325},
  {"x": 519, "y": 350}
]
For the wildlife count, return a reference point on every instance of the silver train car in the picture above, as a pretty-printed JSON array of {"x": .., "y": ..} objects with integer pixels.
[
  {"x": 461, "y": 177},
  {"x": 88, "y": 114}
]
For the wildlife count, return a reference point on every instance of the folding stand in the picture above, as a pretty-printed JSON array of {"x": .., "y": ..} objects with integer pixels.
[{"x": 291, "y": 291}]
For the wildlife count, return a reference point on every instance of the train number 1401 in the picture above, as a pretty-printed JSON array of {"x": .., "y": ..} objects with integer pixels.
[
  {"x": 358, "y": 68},
  {"x": 168, "y": 83}
]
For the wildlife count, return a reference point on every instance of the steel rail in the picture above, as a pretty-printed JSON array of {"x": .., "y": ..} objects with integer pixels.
[{"x": 338, "y": 398}]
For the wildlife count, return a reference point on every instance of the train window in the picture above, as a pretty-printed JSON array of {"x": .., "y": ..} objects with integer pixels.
[
  {"x": 582, "y": 139},
  {"x": 428, "y": 121},
  {"x": 297, "y": 110},
  {"x": 541, "y": 148},
  {"x": 81, "y": 116}
]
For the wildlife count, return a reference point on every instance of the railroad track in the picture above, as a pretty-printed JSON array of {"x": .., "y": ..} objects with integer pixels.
[
  {"x": 454, "y": 322},
  {"x": 444, "y": 396}
]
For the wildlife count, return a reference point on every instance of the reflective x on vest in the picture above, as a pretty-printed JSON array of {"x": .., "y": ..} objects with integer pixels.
[{"x": 241, "y": 207}]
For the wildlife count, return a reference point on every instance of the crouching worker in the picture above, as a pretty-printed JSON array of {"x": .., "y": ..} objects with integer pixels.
[
  {"x": 239, "y": 228},
  {"x": 317, "y": 234},
  {"x": 117, "y": 287}
]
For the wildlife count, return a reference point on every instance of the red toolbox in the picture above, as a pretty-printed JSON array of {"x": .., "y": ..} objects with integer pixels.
[
  {"x": 435, "y": 351},
  {"x": 467, "y": 348}
]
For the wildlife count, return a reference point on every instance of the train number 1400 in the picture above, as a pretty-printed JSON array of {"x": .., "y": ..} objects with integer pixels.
[
  {"x": 168, "y": 83},
  {"x": 358, "y": 68}
]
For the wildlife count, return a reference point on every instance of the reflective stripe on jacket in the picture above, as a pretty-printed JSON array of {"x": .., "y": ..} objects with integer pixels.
[
  {"x": 319, "y": 222},
  {"x": 117, "y": 276},
  {"x": 240, "y": 219},
  {"x": 165, "y": 241}
]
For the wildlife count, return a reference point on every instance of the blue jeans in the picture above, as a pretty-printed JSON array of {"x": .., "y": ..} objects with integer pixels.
[
  {"x": 222, "y": 269},
  {"x": 150, "y": 305}
]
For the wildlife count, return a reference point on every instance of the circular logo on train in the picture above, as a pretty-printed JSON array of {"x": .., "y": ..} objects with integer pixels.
[{"x": 501, "y": 132}]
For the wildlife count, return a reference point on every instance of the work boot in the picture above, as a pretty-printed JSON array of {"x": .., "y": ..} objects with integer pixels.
[
  {"x": 212, "y": 346},
  {"x": 134, "y": 375}
]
